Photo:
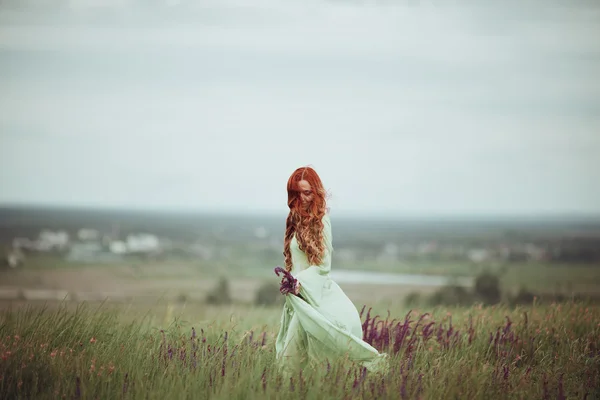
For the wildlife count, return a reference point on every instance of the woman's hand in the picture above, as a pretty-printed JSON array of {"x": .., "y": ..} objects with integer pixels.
[
  {"x": 289, "y": 284},
  {"x": 297, "y": 288}
]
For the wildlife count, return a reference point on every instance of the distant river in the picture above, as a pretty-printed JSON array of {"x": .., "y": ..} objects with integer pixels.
[{"x": 350, "y": 276}]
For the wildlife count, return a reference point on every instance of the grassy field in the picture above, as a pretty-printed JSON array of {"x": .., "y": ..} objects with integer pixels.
[{"x": 101, "y": 351}]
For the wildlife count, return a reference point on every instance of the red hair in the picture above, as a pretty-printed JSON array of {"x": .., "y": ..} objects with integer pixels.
[{"x": 305, "y": 223}]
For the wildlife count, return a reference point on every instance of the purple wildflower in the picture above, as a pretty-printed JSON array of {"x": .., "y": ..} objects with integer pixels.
[
  {"x": 471, "y": 329},
  {"x": 450, "y": 328},
  {"x": 224, "y": 355},
  {"x": 508, "y": 325},
  {"x": 365, "y": 325},
  {"x": 194, "y": 348},
  {"x": 402, "y": 331},
  {"x": 427, "y": 331},
  {"x": 263, "y": 378},
  {"x": 288, "y": 282},
  {"x": 182, "y": 354},
  {"x": 404, "y": 378},
  {"x": 420, "y": 385},
  {"x": 358, "y": 382}
]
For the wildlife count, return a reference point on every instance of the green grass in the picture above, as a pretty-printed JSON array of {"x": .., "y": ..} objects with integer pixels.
[
  {"x": 108, "y": 351},
  {"x": 424, "y": 267},
  {"x": 553, "y": 278}
]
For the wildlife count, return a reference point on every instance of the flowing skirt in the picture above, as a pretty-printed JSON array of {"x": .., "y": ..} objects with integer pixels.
[{"x": 323, "y": 325}]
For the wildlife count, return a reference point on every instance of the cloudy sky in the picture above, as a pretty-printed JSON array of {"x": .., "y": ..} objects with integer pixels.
[{"x": 403, "y": 107}]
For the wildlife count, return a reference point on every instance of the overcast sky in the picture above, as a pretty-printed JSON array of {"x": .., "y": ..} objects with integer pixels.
[{"x": 407, "y": 110}]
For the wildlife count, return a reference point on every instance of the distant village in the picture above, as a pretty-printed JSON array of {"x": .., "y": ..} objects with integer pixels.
[
  {"x": 89, "y": 245},
  {"x": 92, "y": 246}
]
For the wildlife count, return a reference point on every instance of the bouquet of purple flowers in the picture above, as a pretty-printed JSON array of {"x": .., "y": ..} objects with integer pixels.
[{"x": 289, "y": 284}]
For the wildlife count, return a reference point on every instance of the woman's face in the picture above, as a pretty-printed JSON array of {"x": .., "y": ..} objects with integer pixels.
[{"x": 306, "y": 194}]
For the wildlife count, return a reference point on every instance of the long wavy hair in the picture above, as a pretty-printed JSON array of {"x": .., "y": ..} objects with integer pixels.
[{"x": 305, "y": 222}]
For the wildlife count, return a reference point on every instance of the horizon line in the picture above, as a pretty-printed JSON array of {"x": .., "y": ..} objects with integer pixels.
[{"x": 343, "y": 213}]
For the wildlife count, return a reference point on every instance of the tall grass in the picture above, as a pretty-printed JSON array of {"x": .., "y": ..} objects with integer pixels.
[{"x": 477, "y": 352}]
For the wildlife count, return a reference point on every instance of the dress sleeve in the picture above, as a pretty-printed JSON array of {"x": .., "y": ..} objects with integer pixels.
[{"x": 325, "y": 266}]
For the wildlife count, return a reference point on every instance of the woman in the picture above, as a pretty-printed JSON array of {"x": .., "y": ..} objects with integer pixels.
[{"x": 318, "y": 321}]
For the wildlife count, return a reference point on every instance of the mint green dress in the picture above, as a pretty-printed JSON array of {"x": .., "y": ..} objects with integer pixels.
[{"x": 325, "y": 327}]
